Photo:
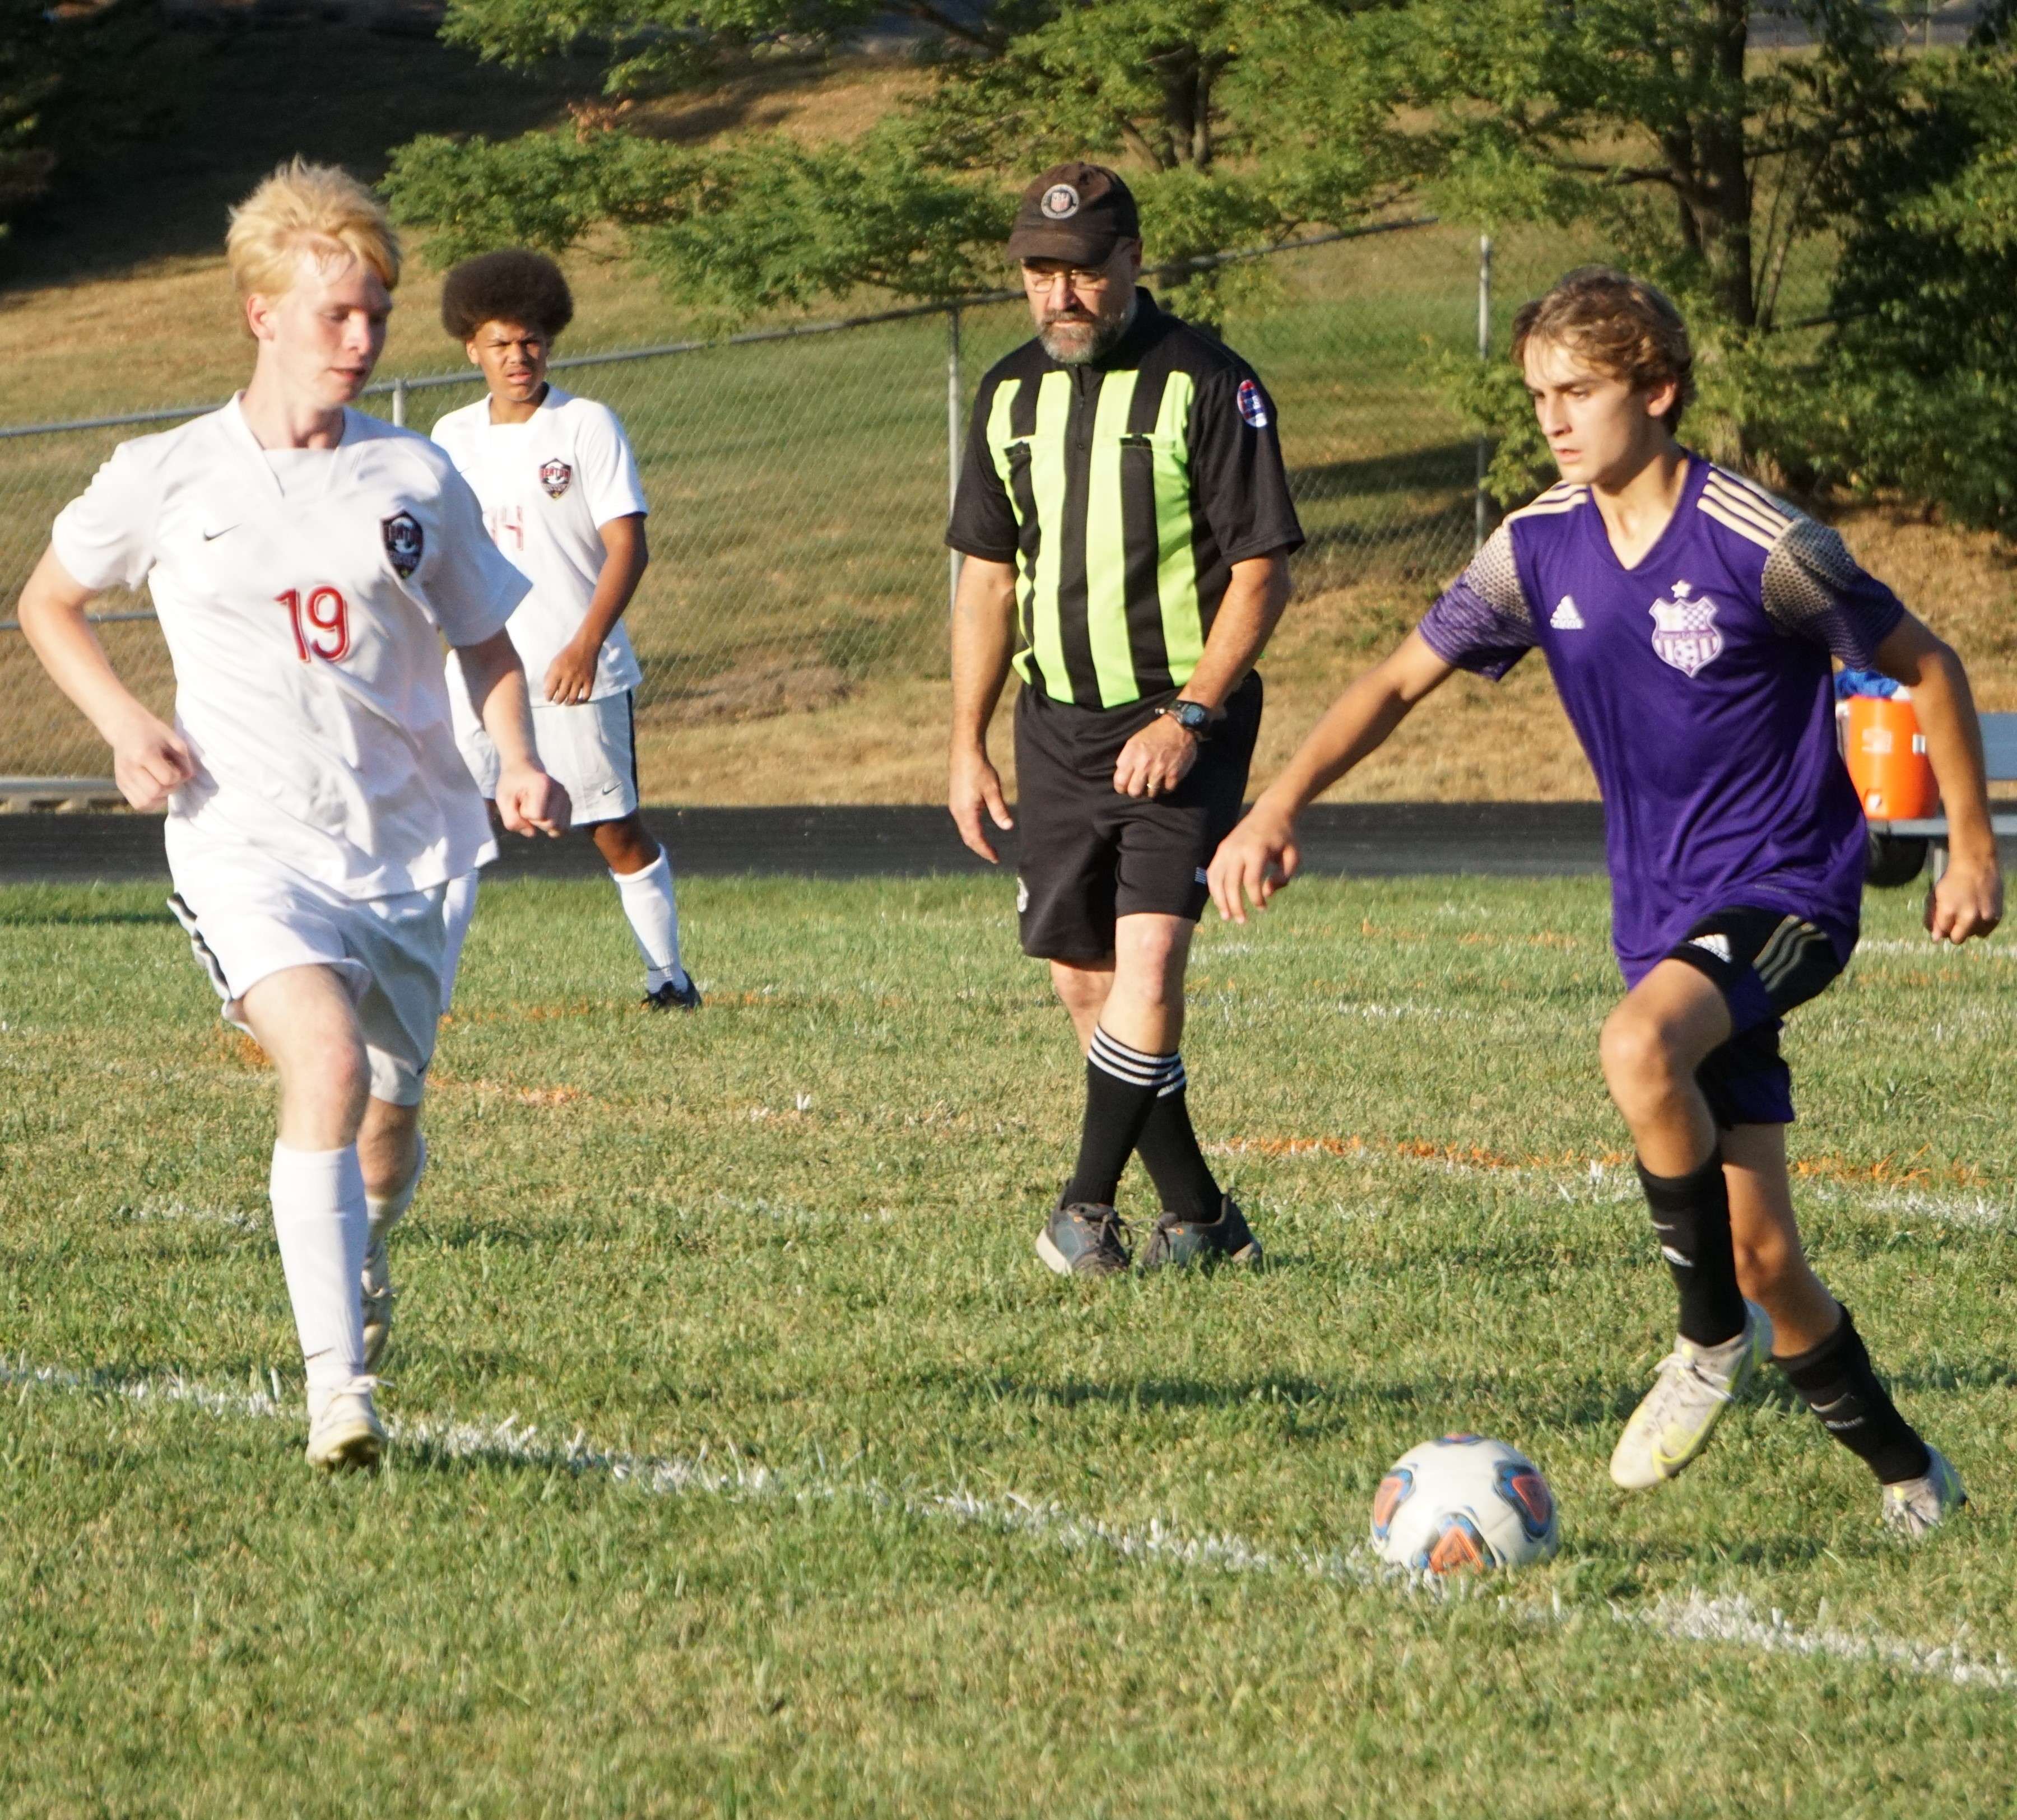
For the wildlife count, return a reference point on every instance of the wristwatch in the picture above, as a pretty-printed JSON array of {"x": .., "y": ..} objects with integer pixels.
[{"x": 1193, "y": 717}]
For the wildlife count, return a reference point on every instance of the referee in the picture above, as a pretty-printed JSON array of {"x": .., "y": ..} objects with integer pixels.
[{"x": 1127, "y": 526}]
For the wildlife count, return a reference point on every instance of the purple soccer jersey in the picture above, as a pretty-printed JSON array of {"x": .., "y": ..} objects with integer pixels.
[{"x": 1699, "y": 683}]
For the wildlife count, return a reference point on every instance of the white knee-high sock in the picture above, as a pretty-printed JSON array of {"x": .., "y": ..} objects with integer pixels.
[
  {"x": 458, "y": 907},
  {"x": 320, "y": 1221},
  {"x": 653, "y": 916}
]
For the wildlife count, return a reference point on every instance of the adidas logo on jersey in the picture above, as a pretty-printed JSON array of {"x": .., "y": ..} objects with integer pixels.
[{"x": 1565, "y": 616}]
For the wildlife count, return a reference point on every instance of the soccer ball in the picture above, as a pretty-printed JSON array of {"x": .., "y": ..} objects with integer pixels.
[{"x": 1464, "y": 1502}]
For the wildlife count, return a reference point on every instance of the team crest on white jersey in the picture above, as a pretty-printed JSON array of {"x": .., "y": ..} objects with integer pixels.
[
  {"x": 554, "y": 477},
  {"x": 404, "y": 541},
  {"x": 1684, "y": 629},
  {"x": 1565, "y": 618}
]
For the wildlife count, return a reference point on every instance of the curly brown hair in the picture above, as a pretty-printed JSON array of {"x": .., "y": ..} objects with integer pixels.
[
  {"x": 1621, "y": 324},
  {"x": 516, "y": 286}
]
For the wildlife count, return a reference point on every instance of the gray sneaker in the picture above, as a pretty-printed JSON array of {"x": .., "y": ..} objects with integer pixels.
[
  {"x": 1227, "y": 1239},
  {"x": 1913, "y": 1507},
  {"x": 1083, "y": 1240}
]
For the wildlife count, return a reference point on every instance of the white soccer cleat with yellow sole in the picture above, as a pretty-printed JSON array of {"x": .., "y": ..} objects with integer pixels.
[
  {"x": 344, "y": 1432},
  {"x": 1693, "y": 1386},
  {"x": 1913, "y": 1507}
]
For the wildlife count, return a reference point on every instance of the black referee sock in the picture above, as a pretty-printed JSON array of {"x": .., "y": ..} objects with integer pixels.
[
  {"x": 1691, "y": 1215},
  {"x": 1838, "y": 1382},
  {"x": 1169, "y": 1151},
  {"x": 1120, "y": 1088}
]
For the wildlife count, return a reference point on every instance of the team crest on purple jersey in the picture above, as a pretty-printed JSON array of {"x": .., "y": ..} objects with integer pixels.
[
  {"x": 404, "y": 543},
  {"x": 1684, "y": 629},
  {"x": 554, "y": 476}
]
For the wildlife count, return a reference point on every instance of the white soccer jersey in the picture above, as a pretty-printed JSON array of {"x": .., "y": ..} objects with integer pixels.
[
  {"x": 548, "y": 485},
  {"x": 306, "y": 627}
]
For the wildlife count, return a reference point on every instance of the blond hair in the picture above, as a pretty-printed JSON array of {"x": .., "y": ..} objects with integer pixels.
[
  {"x": 1622, "y": 325},
  {"x": 313, "y": 207}
]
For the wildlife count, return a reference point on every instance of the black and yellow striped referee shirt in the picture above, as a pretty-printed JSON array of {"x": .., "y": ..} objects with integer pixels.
[{"x": 1124, "y": 491}]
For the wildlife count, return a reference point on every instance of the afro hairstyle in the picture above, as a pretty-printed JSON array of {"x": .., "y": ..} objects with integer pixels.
[{"x": 514, "y": 285}]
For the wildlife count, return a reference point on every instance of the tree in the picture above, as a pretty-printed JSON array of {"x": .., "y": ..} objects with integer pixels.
[
  {"x": 71, "y": 86},
  {"x": 1661, "y": 122},
  {"x": 1217, "y": 104},
  {"x": 1917, "y": 386},
  {"x": 1718, "y": 166}
]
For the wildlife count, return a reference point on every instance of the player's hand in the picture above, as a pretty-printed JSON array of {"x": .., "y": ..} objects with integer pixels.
[
  {"x": 1967, "y": 901},
  {"x": 530, "y": 802},
  {"x": 1253, "y": 863},
  {"x": 975, "y": 786},
  {"x": 150, "y": 761},
  {"x": 571, "y": 676},
  {"x": 1156, "y": 761}
]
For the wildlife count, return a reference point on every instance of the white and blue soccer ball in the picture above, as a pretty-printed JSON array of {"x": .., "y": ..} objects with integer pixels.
[{"x": 1464, "y": 1503}]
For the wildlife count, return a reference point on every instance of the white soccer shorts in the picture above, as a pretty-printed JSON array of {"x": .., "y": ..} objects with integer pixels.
[
  {"x": 589, "y": 747},
  {"x": 392, "y": 950}
]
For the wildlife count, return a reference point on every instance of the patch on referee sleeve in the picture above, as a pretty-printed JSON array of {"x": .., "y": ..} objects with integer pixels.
[{"x": 1253, "y": 404}]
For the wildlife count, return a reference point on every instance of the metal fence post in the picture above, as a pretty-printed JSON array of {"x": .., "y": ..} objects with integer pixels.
[
  {"x": 1480, "y": 511},
  {"x": 399, "y": 404},
  {"x": 952, "y": 443}
]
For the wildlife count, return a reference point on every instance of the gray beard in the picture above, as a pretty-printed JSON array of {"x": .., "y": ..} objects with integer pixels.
[{"x": 1105, "y": 338}]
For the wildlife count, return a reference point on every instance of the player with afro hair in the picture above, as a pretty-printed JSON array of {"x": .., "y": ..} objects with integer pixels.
[
  {"x": 516, "y": 286},
  {"x": 560, "y": 490}
]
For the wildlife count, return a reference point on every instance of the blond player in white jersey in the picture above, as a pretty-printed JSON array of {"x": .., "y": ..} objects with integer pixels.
[
  {"x": 306, "y": 562},
  {"x": 562, "y": 499}
]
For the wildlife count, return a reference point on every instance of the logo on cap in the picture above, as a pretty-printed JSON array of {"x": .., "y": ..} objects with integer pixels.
[
  {"x": 1060, "y": 202},
  {"x": 1253, "y": 406}
]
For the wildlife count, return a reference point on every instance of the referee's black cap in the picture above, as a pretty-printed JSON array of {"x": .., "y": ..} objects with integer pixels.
[{"x": 1076, "y": 211}]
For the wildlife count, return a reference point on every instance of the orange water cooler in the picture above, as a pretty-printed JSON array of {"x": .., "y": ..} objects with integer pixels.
[{"x": 1886, "y": 755}]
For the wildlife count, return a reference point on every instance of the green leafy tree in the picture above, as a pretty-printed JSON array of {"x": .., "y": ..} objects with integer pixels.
[
  {"x": 1917, "y": 386},
  {"x": 69, "y": 88},
  {"x": 1666, "y": 134},
  {"x": 1244, "y": 119}
]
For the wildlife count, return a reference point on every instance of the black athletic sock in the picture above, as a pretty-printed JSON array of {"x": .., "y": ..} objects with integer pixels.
[
  {"x": 1120, "y": 1087},
  {"x": 1691, "y": 1215},
  {"x": 1169, "y": 1151},
  {"x": 1838, "y": 1382}
]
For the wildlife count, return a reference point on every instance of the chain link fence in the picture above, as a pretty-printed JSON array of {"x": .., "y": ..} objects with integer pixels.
[{"x": 798, "y": 479}]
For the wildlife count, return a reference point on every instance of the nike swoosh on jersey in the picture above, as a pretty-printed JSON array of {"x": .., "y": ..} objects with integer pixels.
[{"x": 212, "y": 536}]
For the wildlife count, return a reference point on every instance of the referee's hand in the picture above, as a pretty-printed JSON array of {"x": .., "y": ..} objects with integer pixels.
[
  {"x": 1253, "y": 863},
  {"x": 1157, "y": 759},
  {"x": 975, "y": 785}
]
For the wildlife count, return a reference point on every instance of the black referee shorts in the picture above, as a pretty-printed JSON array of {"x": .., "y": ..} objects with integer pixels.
[
  {"x": 1764, "y": 962},
  {"x": 1091, "y": 855}
]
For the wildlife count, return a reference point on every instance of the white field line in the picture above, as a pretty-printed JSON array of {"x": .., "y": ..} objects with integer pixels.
[
  {"x": 1694, "y": 1617},
  {"x": 1927, "y": 948},
  {"x": 1613, "y": 1183}
]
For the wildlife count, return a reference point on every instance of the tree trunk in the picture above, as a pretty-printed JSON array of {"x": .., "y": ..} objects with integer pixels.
[{"x": 1719, "y": 197}]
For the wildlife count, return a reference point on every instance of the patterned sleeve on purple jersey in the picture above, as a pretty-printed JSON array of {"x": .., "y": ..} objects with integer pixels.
[
  {"x": 1481, "y": 621},
  {"x": 1813, "y": 588}
]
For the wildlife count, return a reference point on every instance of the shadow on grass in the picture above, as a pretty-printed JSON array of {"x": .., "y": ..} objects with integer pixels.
[
  {"x": 1309, "y": 1404},
  {"x": 81, "y": 919}
]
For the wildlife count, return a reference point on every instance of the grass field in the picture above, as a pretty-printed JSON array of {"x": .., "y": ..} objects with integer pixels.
[{"x": 748, "y": 1462}]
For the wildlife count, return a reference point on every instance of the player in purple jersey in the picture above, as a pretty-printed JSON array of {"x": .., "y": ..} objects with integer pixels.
[{"x": 1688, "y": 617}]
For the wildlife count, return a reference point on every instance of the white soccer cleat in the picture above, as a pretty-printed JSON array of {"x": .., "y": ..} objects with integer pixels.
[
  {"x": 344, "y": 1432},
  {"x": 1692, "y": 1388},
  {"x": 376, "y": 1293},
  {"x": 1914, "y": 1507}
]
